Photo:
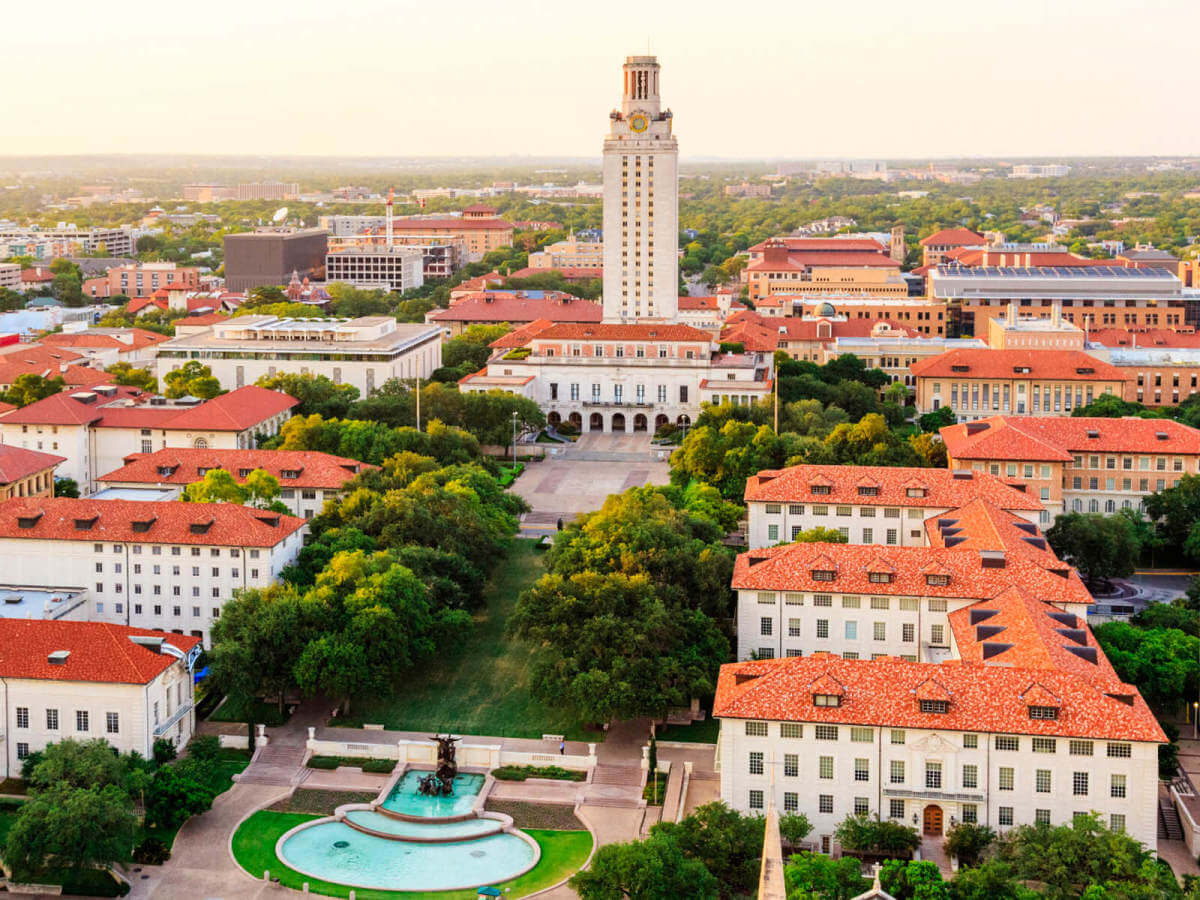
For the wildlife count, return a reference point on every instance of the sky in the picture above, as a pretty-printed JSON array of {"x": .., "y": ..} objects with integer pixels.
[{"x": 795, "y": 79}]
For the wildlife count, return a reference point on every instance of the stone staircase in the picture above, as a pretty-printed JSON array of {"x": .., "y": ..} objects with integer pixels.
[
  {"x": 612, "y": 774},
  {"x": 1169, "y": 826},
  {"x": 277, "y": 764}
]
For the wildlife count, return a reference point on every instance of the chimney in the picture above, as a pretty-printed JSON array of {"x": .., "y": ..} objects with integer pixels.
[
  {"x": 1012, "y": 312},
  {"x": 1056, "y": 313}
]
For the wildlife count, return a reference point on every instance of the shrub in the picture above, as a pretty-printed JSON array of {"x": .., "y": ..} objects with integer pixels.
[
  {"x": 10, "y": 804},
  {"x": 324, "y": 762},
  {"x": 152, "y": 852},
  {"x": 967, "y": 841},
  {"x": 865, "y": 834},
  {"x": 205, "y": 746},
  {"x": 566, "y": 429},
  {"x": 520, "y": 773},
  {"x": 164, "y": 751},
  {"x": 378, "y": 765},
  {"x": 366, "y": 764}
]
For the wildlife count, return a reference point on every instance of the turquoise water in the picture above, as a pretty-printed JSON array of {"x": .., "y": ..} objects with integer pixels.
[
  {"x": 467, "y": 828},
  {"x": 402, "y": 866},
  {"x": 404, "y": 797}
]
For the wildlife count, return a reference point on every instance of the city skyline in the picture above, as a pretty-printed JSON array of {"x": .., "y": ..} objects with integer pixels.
[{"x": 866, "y": 82}]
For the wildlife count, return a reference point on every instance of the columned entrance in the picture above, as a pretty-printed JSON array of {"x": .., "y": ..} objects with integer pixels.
[
  {"x": 596, "y": 422},
  {"x": 932, "y": 820},
  {"x": 639, "y": 422},
  {"x": 618, "y": 422}
]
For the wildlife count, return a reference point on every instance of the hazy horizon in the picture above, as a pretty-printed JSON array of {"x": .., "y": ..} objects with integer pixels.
[{"x": 871, "y": 80}]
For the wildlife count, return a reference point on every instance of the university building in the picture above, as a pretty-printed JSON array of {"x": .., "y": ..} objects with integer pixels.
[
  {"x": 88, "y": 680},
  {"x": 1077, "y": 464}
]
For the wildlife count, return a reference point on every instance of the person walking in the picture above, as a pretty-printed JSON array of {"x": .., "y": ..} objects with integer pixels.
[{"x": 562, "y": 747}]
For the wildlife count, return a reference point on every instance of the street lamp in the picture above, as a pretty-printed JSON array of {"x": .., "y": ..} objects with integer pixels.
[
  {"x": 1195, "y": 712},
  {"x": 514, "y": 443}
]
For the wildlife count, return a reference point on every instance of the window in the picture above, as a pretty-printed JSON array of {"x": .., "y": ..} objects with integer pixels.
[
  {"x": 791, "y": 765},
  {"x": 1116, "y": 786},
  {"x": 933, "y": 775},
  {"x": 970, "y": 776},
  {"x": 822, "y": 628},
  {"x": 908, "y": 632},
  {"x": 790, "y": 730},
  {"x": 1041, "y": 816},
  {"x": 970, "y": 813},
  {"x": 765, "y": 625},
  {"x": 23, "y": 752},
  {"x": 825, "y": 767},
  {"x": 937, "y": 634},
  {"x": 81, "y": 720},
  {"x": 1116, "y": 823},
  {"x": 895, "y": 809},
  {"x": 879, "y": 631},
  {"x": 825, "y": 732},
  {"x": 794, "y": 627},
  {"x": 851, "y": 631},
  {"x": 52, "y": 720},
  {"x": 756, "y": 799},
  {"x": 756, "y": 763},
  {"x": 772, "y": 533},
  {"x": 862, "y": 806},
  {"x": 1080, "y": 748},
  {"x": 897, "y": 736},
  {"x": 862, "y": 735},
  {"x": 22, "y": 716},
  {"x": 825, "y": 803},
  {"x": 1007, "y": 778},
  {"x": 896, "y": 772},
  {"x": 862, "y": 770},
  {"x": 970, "y": 741},
  {"x": 937, "y": 707},
  {"x": 1119, "y": 751},
  {"x": 822, "y": 600},
  {"x": 1043, "y": 745},
  {"x": 1041, "y": 781},
  {"x": 791, "y": 801},
  {"x": 756, "y": 729},
  {"x": 1079, "y": 784},
  {"x": 112, "y": 723},
  {"x": 1006, "y": 742}
]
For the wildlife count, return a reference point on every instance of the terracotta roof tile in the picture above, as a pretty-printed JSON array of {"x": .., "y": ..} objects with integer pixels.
[
  {"x": 97, "y": 651},
  {"x": 184, "y": 465},
  {"x": 1060, "y": 365},
  {"x": 17, "y": 462},
  {"x": 615, "y": 332},
  {"x": 942, "y": 488},
  {"x": 506, "y": 306},
  {"x": 1059, "y": 439},
  {"x": 953, "y": 236}
]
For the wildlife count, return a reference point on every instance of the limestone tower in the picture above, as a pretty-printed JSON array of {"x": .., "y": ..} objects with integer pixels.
[{"x": 641, "y": 202}]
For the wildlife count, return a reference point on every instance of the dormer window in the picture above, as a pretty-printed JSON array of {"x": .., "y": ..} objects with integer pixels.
[
  {"x": 938, "y": 580},
  {"x": 166, "y": 471},
  {"x": 289, "y": 473},
  {"x": 936, "y": 707},
  {"x": 879, "y": 577},
  {"x": 822, "y": 574},
  {"x": 1043, "y": 712},
  {"x": 28, "y": 521},
  {"x": 821, "y": 489},
  {"x": 143, "y": 525},
  {"x": 200, "y": 527},
  {"x": 871, "y": 491},
  {"x": 827, "y": 700},
  {"x": 915, "y": 492},
  {"x": 243, "y": 473},
  {"x": 960, "y": 368},
  {"x": 86, "y": 524},
  {"x": 1093, "y": 434}
]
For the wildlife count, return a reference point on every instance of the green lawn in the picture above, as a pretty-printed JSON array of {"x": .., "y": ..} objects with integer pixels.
[
  {"x": 481, "y": 684},
  {"x": 266, "y": 713},
  {"x": 563, "y": 852},
  {"x": 703, "y": 732}
]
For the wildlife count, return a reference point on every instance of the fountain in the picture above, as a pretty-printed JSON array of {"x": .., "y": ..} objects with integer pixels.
[{"x": 440, "y": 783}]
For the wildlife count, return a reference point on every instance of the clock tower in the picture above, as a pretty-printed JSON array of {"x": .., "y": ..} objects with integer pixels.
[{"x": 641, "y": 202}]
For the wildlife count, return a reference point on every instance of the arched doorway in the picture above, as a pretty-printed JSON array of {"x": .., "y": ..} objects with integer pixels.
[
  {"x": 618, "y": 422},
  {"x": 684, "y": 420},
  {"x": 576, "y": 419},
  {"x": 553, "y": 419},
  {"x": 931, "y": 822},
  {"x": 639, "y": 422},
  {"x": 659, "y": 421},
  {"x": 596, "y": 422}
]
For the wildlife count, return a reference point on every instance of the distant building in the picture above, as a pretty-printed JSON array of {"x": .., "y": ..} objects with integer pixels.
[
  {"x": 746, "y": 189},
  {"x": 570, "y": 253},
  {"x": 26, "y": 473},
  {"x": 364, "y": 352},
  {"x": 142, "y": 279},
  {"x": 269, "y": 256},
  {"x": 10, "y": 275},
  {"x": 936, "y": 246},
  {"x": 1151, "y": 257},
  {"x": 805, "y": 266},
  {"x": 1016, "y": 332},
  {"x": 515, "y": 308},
  {"x": 480, "y": 234},
  {"x": 271, "y": 190},
  {"x": 395, "y": 268},
  {"x": 49, "y": 243},
  {"x": 1025, "y": 170}
]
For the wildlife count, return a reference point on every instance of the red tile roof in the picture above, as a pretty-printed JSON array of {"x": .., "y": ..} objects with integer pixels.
[
  {"x": 451, "y": 224},
  {"x": 497, "y": 306},
  {"x": 520, "y": 337},
  {"x": 1151, "y": 337},
  {"x": 1059, "y": 439},
  {"x": 982, "y": 525},
  {"x": 805, "y": 259},
  {"x": 615, "y": 332},
  {"x": 97, "y": 651},
  {"x": 209, "y": 319},
  {"x": 36, "y": 275},
  {"x": 570, "y": 273},
  {"x": 942, "y": 488},
  {"x": 885, "y": 693},
  {"x": 790, "y": 567},
  {"x": 998, "y": 256},
  {"x": 839, "y": 245},
  {"x": 35, "y": 359},
  {"x": 137, "y": 304},
  {"x": 953, "y": 237},
  {"x": 140, "y": 338},
  {"x": 169, "y": 522},
  {"x": 17, "y": 462},
  {"x": 238, "y": 410},
  {"x": 1059, "y": 365},
  {"x": 184, "y": 465}
]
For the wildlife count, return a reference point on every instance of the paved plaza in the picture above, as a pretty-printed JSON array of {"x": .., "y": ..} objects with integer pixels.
[{"x": 581, "y": 476}]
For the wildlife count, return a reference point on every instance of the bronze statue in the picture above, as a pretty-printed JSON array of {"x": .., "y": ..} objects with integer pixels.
[{"x": 441, "y": 781}]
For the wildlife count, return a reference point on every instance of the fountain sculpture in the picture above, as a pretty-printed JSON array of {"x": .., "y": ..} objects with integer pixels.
[{"x": 441, "y": 781}]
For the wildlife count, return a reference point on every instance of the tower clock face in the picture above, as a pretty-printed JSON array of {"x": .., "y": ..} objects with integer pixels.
[{"x": 638, "y": 123}]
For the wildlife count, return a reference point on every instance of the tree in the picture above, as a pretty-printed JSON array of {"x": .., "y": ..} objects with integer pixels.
[
  {"x": 317, "y": 394},
  {"x": 1109, "y": 406},
  {"x": 728, "y": 843},
  {"x": 967, "y": 841},
  {"x": 468, "y": 352},
  {"x": 875, "y": 836},
  {"x": 940, "y": 418},
  {"x": 1177, "y": 512},
  {"x": 609, "y": 647},
  {"x": 124, "y": 373},
  {"x": 817, "y": 875},
  {"x": 66, "y": 487},
  {"x": 259, "y": 489},
  {"x": 929, "y": 449},
  {"x": 29, "y": 388},
  {"x": 991, "y": 881},
  {"x": 913, "y": 880},
  {"x": 70, "y": 827},
  {"x": 192, "y": 379},
  {"x": 794, "y": 827},
  {"x": 1164, "y": 663},
  {"x": 77, "y": 764},
  {"x": 1101, "y": 547},
  {"x": 820, "y": 535},
  {"x": 172, "y": 799},
  {"x": 653, "y": 869}
]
